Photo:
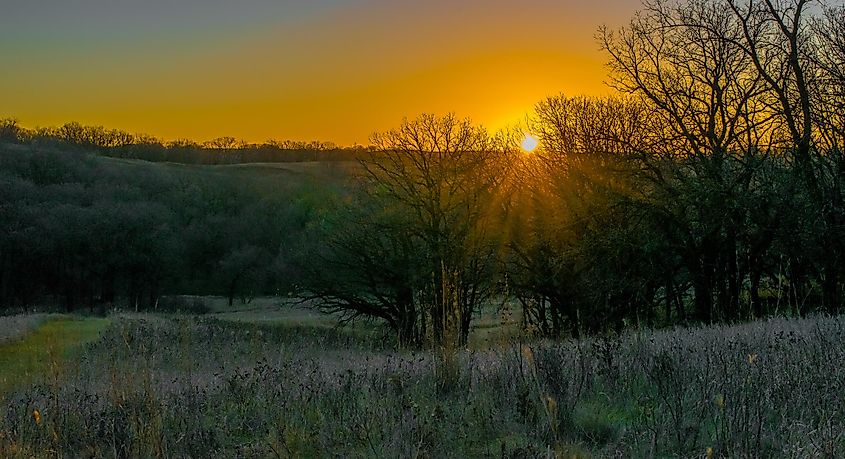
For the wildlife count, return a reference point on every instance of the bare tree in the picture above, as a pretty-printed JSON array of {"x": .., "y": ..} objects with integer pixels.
[
  {"x": 686, "y": 60},
  {"x": 442, "y": 172},
  {"x": 364, "y": 263},
  {"x": 414, "y": 247},
  {"x": 588, "y": 126},
  {"x": 569, "y": 186},
  {"x": 775, "y": 36},
  {"x": 698, "y": 65},
  {"x": 830, "y": 61}
]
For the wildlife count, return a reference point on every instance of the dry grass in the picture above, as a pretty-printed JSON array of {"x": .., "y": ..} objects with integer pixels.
[{"x": 180, "y": 386}]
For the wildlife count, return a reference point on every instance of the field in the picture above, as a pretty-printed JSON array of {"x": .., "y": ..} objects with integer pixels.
[{"x": 280, "y": 382}]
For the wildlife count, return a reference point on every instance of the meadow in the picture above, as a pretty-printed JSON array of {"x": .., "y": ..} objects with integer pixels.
[{"x": 270, "y": 381}]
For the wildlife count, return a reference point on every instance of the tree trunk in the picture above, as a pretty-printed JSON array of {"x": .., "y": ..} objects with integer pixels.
[
  {"x": 703, "y": 300},
  {"x": 556, "y": 310},
  {"x": 406, "y": 325},
  {"x": 755, "y": 274},
  {"x": 831, "y": 286},
  {"x": 796, "y": 290},
  {"x": 406, "y": 332},
  {"x": 733, "y": 275},
  {"x": 542, "y": 321}
]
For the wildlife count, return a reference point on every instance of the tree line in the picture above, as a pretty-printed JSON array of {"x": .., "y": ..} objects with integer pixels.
[{"x": 221, "y": 150}]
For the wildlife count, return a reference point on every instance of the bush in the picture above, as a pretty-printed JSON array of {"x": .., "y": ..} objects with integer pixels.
[{"x": 183, "y": 304}]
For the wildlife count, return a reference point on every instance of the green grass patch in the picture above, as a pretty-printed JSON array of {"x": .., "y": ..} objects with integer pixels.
[
  {"x": 32, "y": 357},
  {"x": 599, "y": 423}
]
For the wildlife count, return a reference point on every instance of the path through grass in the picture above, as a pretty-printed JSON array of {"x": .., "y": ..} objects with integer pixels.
[{"x": 47, "y": 347}]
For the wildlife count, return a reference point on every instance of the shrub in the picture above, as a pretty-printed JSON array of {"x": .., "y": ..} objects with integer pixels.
[{"x": 183, "y": 304}]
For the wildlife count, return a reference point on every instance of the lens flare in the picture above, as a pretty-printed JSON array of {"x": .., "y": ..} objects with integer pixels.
[{"x": 529, "y": 143}]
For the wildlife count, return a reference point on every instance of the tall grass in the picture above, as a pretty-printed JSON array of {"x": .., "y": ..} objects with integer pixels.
[{"x": 179, "y": 386}]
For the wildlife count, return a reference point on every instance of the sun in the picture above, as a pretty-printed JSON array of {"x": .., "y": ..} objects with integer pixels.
[{"x": 529, "y": 142}]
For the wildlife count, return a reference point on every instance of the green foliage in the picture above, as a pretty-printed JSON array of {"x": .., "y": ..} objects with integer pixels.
[{"x": 600, "y": 424}]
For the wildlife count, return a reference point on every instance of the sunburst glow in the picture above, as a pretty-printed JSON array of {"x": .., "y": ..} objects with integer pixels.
[{"x": 529, "y": 143}]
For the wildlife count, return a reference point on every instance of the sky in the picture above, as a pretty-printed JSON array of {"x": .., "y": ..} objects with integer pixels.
[{"x": 329, "y": 70}]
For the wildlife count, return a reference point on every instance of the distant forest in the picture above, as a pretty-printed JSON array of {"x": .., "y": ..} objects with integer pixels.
[
  {"x": 222, "y": 150},
  {"x": 81, "y": 231},
  {"x": 710, "y": 188}
]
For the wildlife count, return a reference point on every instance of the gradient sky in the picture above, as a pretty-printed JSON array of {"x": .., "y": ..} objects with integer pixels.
[{"x": 334, "y": 70}]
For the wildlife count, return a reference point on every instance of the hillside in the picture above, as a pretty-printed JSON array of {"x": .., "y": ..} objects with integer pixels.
[{"x": 84, "y": 230}]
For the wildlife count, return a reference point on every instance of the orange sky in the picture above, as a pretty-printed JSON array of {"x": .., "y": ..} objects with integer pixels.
[{"x": 333, "y": 70}]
